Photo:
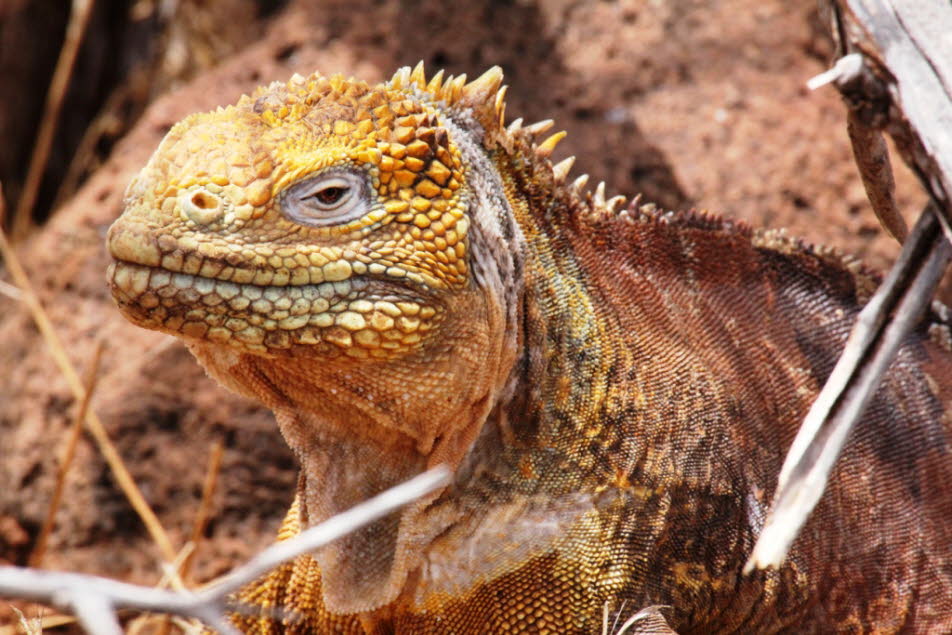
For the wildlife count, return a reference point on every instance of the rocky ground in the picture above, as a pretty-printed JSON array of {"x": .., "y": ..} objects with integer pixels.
[{"x": 692, "y": 103}]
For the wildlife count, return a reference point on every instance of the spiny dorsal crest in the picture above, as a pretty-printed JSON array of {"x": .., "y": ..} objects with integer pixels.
[{"x": 484, "y": 98}]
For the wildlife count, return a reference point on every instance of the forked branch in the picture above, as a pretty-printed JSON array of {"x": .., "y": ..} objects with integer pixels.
[{"x": 95, "y": 600}]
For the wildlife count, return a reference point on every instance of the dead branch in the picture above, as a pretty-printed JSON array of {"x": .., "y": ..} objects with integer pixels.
[
  {"x": 95, "y": 600},
  {"x": 895, "y": 76},
  {"x": 75, "y": 31}
]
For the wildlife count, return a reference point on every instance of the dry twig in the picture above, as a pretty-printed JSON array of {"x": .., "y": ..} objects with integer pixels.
[
  {"x": 75, "y": 30},
  {"x": 95, "y": 599},
  {"x": 66, "y": 458}
]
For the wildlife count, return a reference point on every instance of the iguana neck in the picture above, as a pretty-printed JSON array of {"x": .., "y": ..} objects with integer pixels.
[
  {"x": 358, "y": 430},
  {"x": 559, "y": 380}
]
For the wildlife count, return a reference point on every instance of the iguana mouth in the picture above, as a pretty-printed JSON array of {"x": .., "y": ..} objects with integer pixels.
[{"x": 359, "y": 316}]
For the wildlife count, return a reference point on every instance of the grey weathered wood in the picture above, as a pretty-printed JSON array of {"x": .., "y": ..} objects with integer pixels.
[
  {"x": 904, "y": 87},
  {"x": 910, "y": 41}
]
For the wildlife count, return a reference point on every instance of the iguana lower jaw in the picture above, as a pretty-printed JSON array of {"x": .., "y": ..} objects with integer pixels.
[{"x": 340, "y": 314}]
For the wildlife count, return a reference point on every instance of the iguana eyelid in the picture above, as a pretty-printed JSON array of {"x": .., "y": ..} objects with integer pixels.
[{"x": 301, "y": 204}]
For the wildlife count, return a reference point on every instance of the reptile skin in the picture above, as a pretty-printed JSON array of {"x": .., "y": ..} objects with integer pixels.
[{"x": 406, "y": 282}]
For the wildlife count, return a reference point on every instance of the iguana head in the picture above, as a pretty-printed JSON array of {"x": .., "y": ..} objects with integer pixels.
[
  {"x": 319, "y": 217},
  {"x": 349, "y": 255}
]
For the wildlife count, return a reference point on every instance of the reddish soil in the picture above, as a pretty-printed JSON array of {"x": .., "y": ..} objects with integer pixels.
[{"x": 693, "y": 103}]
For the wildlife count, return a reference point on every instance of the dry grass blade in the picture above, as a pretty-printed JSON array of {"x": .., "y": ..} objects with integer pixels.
[
  {"x": 647, "y": 621},
  {"x": 204, "y": 509},
  {"x": 95, "y": 426},
  {"x": 10, "y": 291},
  {"x": 170, "y": 570},
  {"x": 75, "y": 30},
  {"x": 30, "y": 629},
  {"x": 43, "y": 622},
  {"x": 66, "y": 459}
]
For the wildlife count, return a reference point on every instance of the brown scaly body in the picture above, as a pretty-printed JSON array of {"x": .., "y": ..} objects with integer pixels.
[{"x": 406, "y": 282}]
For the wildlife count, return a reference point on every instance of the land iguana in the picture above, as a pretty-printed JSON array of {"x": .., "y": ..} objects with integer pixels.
[{"x": 406, "y": 282}]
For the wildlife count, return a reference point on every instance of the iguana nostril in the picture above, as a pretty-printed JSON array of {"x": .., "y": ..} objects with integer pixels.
[
  {"x": 202, "y": 207},
  {"x": 202, "y": 200}
]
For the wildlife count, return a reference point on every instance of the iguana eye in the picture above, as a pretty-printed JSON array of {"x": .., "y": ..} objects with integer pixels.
[{"x": 332, "y": 198}]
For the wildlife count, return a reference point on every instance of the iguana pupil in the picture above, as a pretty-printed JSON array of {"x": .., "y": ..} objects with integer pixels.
[{"x": 330, "y": 195}]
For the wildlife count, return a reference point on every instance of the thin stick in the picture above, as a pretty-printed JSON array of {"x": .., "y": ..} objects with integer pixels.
[
  {"x": 95, "y": 599},
  {"x": 872, "y": 160},
  {"x": 205, "y": 507},
  {"x": 66, "y": 458},
  {"x": 75, "y": 30},
  {"x": 95, "y": 426},
  {"x": 872, "y": 345}
]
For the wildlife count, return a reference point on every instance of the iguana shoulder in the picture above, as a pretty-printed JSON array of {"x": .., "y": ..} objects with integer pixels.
[{"x": 407, "y": 282}]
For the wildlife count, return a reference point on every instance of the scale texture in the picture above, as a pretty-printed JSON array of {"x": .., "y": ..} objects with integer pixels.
[{"x": 407, "y": 282}]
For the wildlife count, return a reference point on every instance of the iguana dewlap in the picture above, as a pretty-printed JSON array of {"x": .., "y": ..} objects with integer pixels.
[{"x": 406, "y": 282}]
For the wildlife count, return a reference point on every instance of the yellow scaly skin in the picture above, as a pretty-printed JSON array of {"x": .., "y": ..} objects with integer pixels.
[
  {"x": 406, "y": 283},
  {"x": 221, "y": 189}
]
